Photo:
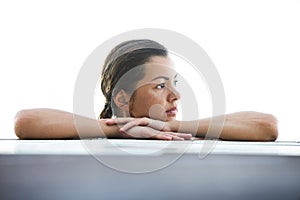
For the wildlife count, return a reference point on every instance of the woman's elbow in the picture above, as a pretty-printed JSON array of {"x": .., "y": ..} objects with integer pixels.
[
  {"x": 269, "y": 127},
  {"x": 22, "y": 121}
]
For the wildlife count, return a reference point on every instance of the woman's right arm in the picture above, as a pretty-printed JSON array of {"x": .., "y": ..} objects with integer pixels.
[{"x": 46, "y": 123}]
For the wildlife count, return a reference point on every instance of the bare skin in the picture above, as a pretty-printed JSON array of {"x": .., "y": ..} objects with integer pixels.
[
  {"x": 56, "y": 124},
  {"x": 247, "y": 126},
  {"x": 44, "y": 123},
  {"x": 151, "y": 114}
]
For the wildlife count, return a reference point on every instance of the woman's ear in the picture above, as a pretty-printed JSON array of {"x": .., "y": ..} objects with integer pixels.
[{"x": 122, "y": 101}]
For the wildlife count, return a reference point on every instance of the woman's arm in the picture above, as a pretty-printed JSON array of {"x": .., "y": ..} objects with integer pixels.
[
  {"x": 251, "y": 126},
  {"x": 55, "y": 124}
]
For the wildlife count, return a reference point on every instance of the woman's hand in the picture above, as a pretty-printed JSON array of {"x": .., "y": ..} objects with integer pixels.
[
  {"x": 129, "y": 122},
  {"x": 147, "y": 128}
]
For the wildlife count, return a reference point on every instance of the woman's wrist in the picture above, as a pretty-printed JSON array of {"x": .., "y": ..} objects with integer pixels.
[
  {"x": 173, "y": 125},
  {"x": 197, "y": 127},
  {"x": 106, "y": 131}
]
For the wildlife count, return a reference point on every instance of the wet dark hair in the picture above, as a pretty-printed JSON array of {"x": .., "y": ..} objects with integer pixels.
[{"x": 121, "y": 59}]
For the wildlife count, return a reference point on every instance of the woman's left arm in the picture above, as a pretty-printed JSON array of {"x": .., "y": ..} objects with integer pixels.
[
  {"x": 248, "y": 126},
  {"x": 251, "y": 126}
]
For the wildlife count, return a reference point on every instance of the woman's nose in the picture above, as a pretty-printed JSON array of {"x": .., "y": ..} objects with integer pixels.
[{"x": 174, "y": 95}]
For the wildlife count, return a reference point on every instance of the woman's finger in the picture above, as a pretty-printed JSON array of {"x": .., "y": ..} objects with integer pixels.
[
  {"x": 155, "y": 124},
  {"x": 163, "y": 137},
  {"x": 148, "y": 132},
  {"x": 129, "y": 125},
  {"x": 186, "y": 136},
  {"x": 169, "y": 136},
  {"x": 136, "y": 122},
  {"x": 114, "y": 121},
  {"x": 173, "y": 136},
  {"x": 178, "y": 138}
]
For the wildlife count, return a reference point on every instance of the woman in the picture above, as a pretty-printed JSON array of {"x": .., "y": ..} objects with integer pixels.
[{"x": 144, "y": 104}]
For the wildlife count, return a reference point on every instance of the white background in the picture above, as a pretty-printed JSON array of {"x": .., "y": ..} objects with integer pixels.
[{"x": 255, "y": 46}]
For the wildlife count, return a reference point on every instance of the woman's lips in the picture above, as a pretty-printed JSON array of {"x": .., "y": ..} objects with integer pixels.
[{"x": 172, "y": 111}]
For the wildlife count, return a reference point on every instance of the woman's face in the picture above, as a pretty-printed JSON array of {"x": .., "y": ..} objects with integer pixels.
[{"x": 155, "y": 95}]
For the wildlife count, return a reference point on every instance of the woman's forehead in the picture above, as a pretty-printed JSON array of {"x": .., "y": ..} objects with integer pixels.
[
  {"x": 159, "y": 66},
  {"x": 163, "y": 60}
]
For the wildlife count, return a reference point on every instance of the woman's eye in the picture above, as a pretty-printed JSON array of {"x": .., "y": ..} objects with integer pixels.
[
  {"x": 175, "y": 82},
  {"x": 161, "y": 85}
]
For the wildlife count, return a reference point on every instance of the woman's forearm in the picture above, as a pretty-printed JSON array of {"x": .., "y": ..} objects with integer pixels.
[
  {"x": 236, "y": 126},
  {"x": 56, "y": 124}
]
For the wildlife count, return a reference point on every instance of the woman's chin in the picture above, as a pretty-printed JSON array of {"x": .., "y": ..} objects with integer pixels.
[
  {"x": 170, "y": 118},
  {"x": 164, "y": 118}
]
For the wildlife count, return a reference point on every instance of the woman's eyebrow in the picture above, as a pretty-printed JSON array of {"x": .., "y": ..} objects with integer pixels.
[
  {"x": 158, "y": 77},
  {"x": 163, "y": 77}
]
